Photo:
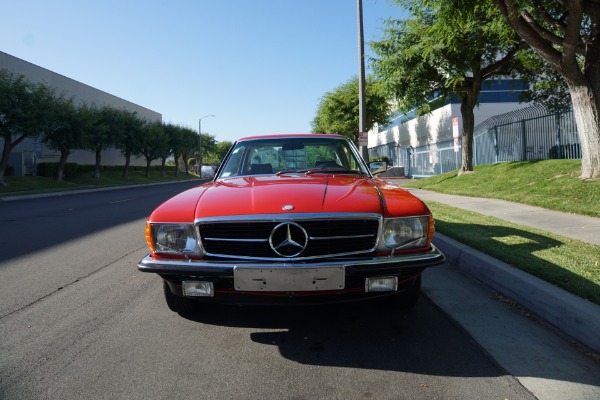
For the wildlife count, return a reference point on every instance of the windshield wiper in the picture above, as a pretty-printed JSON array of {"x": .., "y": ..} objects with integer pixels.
[
  {"x": 290, "y": 171},
  {"x": 337, "y": 170}
]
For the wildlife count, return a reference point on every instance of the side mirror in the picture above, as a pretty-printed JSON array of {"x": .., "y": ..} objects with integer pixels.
[{"x": 377, "y": 166}]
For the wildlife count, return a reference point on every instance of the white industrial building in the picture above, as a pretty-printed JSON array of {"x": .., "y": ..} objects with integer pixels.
[
  {"x": 496, "y": 97},
  {"x": 30, "y": 152}
]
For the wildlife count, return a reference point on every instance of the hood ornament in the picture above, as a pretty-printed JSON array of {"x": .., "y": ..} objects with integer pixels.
[{"x": 288, "y": 239}]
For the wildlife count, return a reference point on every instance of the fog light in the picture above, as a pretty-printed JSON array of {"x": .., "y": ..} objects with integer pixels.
[
  {"x": 381, "y": 284},
  {"x": 196, "y": 289}
]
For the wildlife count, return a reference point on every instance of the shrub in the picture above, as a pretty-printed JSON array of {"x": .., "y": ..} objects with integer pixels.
[
  {"x": 89, "y": 168},
  {"x": 567, "y": 151},
  {"x": 158, "y": 167},
  {"x": 9, "y": 171},
  {"x": 49, "y": 169}
]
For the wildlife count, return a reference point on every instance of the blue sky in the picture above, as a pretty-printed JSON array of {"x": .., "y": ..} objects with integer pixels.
[{"x": 260, "y": 66}]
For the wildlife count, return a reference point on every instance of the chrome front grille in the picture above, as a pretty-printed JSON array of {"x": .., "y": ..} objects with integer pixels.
[{"x": 273, "y": 239}]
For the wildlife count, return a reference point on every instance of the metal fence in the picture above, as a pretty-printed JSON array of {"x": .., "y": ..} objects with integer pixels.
[
  {"x": 530, "y": 133},
  {"x": 395, "y": 153},
  {"x": 525, "y": 135},
  {"x": 435, "y": 159}
]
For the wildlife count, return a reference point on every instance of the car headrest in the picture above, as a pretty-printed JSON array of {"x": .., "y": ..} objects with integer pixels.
[{"x": 261, "y": 169}]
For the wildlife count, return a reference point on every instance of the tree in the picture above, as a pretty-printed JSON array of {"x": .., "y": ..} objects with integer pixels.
[
  {"x": 101, "y": 133},
  {"x": 221, "y": 150},
  {"x": 24, "y": 109},
  {"x": 338, "y": 111},
  {"x": 188, "y": 145},
  {"x": 166, "y": 150},
  {"x": 154, "y": 144},
  {"x": 63, "y": 131},
  {"x": 129, "y": 137},
  {"x": 546, "y": 86},
  {"x": 175, "y": 135},
  {"x": 209, "y": 144},
  {"x": 447, "y": 48},
  {"x": 566, "y": 34}
]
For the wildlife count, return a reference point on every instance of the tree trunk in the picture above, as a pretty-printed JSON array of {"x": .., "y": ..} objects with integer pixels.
[
  {"x": 98, "y": 163},
  {"x": 584, "y": 84},
  {"x": 148, "y": 168},
  {"x": 163, "y": 167},
  {"x": 587, "y": 117},
  {"x": 60, "y": 171},
  {"x": 127, "y": 162},
  {"x": 469, "y": 100},
  {"x": 8, "y": 146}
]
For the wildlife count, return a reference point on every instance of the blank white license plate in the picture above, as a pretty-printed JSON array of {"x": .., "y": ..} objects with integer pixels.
[{"x": 288, "y": 279}]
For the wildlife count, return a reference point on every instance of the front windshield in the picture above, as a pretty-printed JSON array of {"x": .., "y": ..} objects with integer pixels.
[{"x": 293, "y": 155}]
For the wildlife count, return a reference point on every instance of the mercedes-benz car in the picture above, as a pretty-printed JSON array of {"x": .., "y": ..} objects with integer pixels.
[{"x": 291, "y": 219}]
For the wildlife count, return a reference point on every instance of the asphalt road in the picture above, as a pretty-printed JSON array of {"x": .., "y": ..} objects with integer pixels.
[{"x": 77, "y": 320}]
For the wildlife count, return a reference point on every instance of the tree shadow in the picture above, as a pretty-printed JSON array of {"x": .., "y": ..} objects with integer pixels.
[{"x": 521, "y": 248}]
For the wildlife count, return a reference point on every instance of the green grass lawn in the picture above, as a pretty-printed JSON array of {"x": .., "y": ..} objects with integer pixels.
[
  {"x": 551, "y": 184},
  {"x": 21, "y": 185},
  {"x": 563, "y": 262}
]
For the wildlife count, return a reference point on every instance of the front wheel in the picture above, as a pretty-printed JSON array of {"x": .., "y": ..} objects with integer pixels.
[
  {"x": 177, "y": 304},
  {"x": 408, "y": 298}
]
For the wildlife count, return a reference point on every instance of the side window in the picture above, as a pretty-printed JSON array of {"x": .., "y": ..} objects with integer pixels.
[
  {"x": 344, "y": 154},
  {"x": 232, "y": 167},
  {"x": 254, "y": 157}
]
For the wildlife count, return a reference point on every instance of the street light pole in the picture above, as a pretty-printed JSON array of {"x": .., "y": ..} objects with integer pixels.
[
  {"x": 200, "y": 143},
  {"x": 362, "y": 119}
]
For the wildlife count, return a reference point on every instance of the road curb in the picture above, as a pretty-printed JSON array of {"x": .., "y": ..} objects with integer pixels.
[
  {"x": 16, "y": 197},
  {"x": 570, "y": 314}
]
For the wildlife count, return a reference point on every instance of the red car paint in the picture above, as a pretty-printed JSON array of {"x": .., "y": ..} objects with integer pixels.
[{"x": 268, "y": 194}]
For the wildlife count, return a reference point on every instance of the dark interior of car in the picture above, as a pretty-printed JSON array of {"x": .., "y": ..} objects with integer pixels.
[{"x": 256, "y": 169}]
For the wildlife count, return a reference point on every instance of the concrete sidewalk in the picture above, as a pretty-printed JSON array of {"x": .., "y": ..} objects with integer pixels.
[
  {"x": 573, "y": 316},
  {"x": 586, "y": 229}
]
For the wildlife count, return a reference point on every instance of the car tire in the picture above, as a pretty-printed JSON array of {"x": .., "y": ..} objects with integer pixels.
[
  {"x": 408, "y": 298},
  {"x": 177, "y": 304}
]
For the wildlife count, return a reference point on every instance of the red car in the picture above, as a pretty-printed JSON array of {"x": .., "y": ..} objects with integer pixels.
[{"x": 291, "y": 219}]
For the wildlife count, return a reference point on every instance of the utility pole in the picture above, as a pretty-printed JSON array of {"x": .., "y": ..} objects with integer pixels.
[{"x": 362, "y": 119}]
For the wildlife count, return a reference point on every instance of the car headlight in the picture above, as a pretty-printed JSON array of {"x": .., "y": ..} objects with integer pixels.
[
  {"x": 173, "y": 239},
  {"x": 406, "y": 233}
]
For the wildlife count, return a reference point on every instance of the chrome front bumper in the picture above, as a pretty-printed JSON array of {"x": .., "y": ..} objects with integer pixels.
[{"x": 352, "y": 266}]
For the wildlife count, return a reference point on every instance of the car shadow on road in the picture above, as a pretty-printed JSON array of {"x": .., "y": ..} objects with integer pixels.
[{"x": 364, "y": 335}]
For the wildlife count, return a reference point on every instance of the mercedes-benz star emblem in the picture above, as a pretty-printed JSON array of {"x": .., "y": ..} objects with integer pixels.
[{"x": 288, "y": 239}]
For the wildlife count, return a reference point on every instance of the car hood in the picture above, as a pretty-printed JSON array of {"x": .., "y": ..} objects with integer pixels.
[{"x": 270, "y": 194}]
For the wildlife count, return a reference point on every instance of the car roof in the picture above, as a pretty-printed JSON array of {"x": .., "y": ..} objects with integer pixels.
[{"x": 292, "y": 135}]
